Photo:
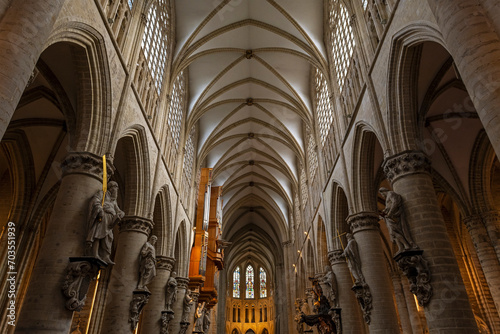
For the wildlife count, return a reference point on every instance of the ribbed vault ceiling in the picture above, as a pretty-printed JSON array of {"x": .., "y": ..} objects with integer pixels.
[{"x": 250, "y": 65}]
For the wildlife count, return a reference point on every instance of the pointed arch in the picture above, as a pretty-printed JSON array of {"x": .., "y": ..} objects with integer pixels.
[{"x": 162, "y": 218}]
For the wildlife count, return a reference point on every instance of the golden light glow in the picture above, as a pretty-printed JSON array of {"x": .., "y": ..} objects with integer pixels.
[{"x": 93, "y": 301}]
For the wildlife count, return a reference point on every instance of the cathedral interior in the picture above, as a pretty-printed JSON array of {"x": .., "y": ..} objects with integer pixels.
[{"x": 249, "y": 166}]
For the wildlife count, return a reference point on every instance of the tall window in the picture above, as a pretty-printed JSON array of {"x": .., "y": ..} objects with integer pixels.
[
  {"x": 323, "y": 106},
  {"x": 236, "y": 283},
  {"x": 250, "y": 282},
  {"x": 341, "y": 39},
  {"x": 155, "y": 40},
  {"x": 263, "y": 286},
  {"x": 187, "y": 167},
  {"x": 130, "y": 3},
  {"x": 175, "y": 114}
]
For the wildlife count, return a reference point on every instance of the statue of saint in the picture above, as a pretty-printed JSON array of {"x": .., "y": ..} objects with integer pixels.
[
  {"x": 198, "y": 317},
  {"x": 147, "y": 263},
  {"x": 330, "y": 281},
  {"x": 102, "y": 218},
  {"x": 186, "y": 306},
  {"x": 206, "y": 321},
  {"x": 393, "y": 215},
  {"x": 351, "y": 253},
  {"x": 171, "y": 295}
]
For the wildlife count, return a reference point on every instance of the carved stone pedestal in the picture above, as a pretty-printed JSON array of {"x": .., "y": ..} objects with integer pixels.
[
  {"x": 166, "y": 317},
  {"x": 139, "y": 300},
  {"x": 81, "y": 271},
  {"x": 336, "y": 317},
  {"x": 416, "y": 269},
  {"x": 184, "y": 327},
  {"x": 364, "y": 297}
]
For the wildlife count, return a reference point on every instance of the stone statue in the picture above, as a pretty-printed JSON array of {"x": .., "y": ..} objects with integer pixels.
[
  {"x": 198, "y": 317},
  {"x": 101, "y": 220},
  {"x": 330, "y": 281},
  {"x": 393, "y": 215},
  {"x": 206, "y": 320},
  {"x": 147, "y": 263},
  {"x": 298, "y": 313},
  {"x": 353, "y": 260},
  {"x": 186, "y": 306},
  {"x": 171, "y": 295}
]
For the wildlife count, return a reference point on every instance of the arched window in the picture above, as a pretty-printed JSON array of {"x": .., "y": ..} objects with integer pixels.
[
  {"x": 263, "y": 281},
  {"x": 250, "y": 282},
  {"x": 236, "y": 283},
  {"x": 155, "y": 40},
  {"x": 341, "y": 39},
  {"x": 175, "y": 116},
  {"x": 323, "y": 107}
]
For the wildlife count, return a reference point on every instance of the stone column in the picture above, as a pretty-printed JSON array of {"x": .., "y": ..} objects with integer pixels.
[
  {"x": 491, "y": 221},
  {"x": 151, "y": 315},
  {"x": 134, "y": 232},
  {"x": 195, "y": 296},
  {"x": 475, "y": 48},
  {"x": 64, "y": 238},
  {"x": 404, "y": 317},
  {"x": 352, "y": 320},
  {"x": 25, "y": 27},
  {"x": 448, "y": 310},
  {"x": 366, "y": 231},
  {"x": 486, "y": 254},
  {"x": 415, "y": 319},
  {"x": 182, "y": 284}
]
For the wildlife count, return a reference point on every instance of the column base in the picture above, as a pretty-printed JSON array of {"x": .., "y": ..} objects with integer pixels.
[
  {"x": 79, "y": 273},
  {"x": 416, "y": 268}
]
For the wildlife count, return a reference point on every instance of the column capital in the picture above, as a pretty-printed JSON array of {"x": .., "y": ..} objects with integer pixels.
[
  {"x": 363, "y": 221},
  {"x": 85, "y": 163},
  {"x": 136, "y": 224},
  {"x": 406, "y": 163},
  {"x": 473, "y": 222},
  {"x": 182, "y": 282},
  {"x": 165, "y": 262},
  {"x": 335, "y": 257}
]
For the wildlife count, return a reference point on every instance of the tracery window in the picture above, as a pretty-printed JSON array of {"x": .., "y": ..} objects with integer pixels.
[
  {"x": 130, "y": 3},
  {"x": 236, "y": 283},
  {"x": 175, "y": 115},
  {"x": 341, "y": 39},
  {"x": 250, "y": 282},
  {"x": 364, "y": 3},
  {"x": 323, "y": 106},
  {"x": 187, "y": 167},
  {"x": 263, "y": 286},
  {"x": 155, "y": 40},
  {"x": 312, "y": 155}
]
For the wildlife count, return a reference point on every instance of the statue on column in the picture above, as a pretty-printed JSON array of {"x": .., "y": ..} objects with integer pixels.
[
  {"x": 206, "y": 320},
  {"x": 186, "y": 306},
  {"x": 147, "y": 263},
  {"x": 103, "y": 216},
  {"x": 171, "y": 294},
  {"x": 393, "y": 215},
  {"x": 351, "y": 253},
  {"x": 198, "y": 317},
  {"x": 330, "y": 281}
]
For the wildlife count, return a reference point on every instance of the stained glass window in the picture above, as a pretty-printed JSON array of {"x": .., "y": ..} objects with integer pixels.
[
  {"x": 263, "y": 286},
  {"x": 250, "y": 282},
  {"x": 236, "y": 283}
]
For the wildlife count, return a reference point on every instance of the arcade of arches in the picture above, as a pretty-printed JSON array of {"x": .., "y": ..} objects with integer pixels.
[{"x": 252, "y": 138}]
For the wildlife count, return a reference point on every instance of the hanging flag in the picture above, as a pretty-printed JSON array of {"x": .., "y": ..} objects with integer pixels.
[{"x": 104, "y": 179}]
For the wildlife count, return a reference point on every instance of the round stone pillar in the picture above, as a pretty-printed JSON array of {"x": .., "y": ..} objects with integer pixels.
[
  {"x": 134, "y": 232},
  {"x": 151, "y": 317},
  {"x": 366, "y": 231},
  {"x": 475, "y": 48},
  {"x": 64, "y": 238},
  {"x": 448, "y": 310},
  {"x": 352, "y": 320},
  {"x": 486, "y": 254},
  {"x": 415, "y": 318},
  {"x": 403, "y": 312},
  {"x": 175, "y": 324}
]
